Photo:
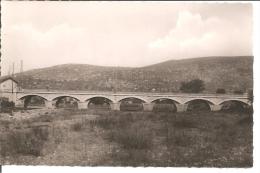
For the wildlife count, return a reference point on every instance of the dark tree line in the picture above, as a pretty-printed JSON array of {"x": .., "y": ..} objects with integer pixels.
[{"x": 193, "y": 86}]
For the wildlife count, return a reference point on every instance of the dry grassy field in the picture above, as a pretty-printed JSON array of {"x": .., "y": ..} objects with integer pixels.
[{"x": 113, "y": 138}]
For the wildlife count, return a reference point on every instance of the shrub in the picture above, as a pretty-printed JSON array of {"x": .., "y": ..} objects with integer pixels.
[
  {"x": 77, "y": 126},
  {"x": 238, "y": 92},
  {"x": 226, "y": 135},
  {"x": 131, "y": 107},
  {"x": 104, "y": 122},
  {"x": 112, "y": 121},
  {"x": 220, "y": 91},
  {"x": 183, "y": 123},
  {"x": 183, "y": 140},
  {"x": 132, "y": 157},
  {"x": 41, "y": 133},
  {"x": 5, "y": 123},
  {"x": 137, "y": 136},
  {"x": 6, "y": 106},
  {"x": 58, "y": 133},
  {"x": 246, "y": 120},
  {"x": 44, "y": 118},
  {"x": 164, "y": 108},
  {"x": 25, "y": 142},
  {"x": 193, "y": 86},
  {"x": 125, "y": 131}
]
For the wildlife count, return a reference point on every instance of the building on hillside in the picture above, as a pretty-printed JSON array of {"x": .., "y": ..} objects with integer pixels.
[{"x": 8, "y": 87}]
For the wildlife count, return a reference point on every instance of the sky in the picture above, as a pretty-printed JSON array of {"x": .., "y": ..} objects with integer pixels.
[{"x": 131, "y": 34}]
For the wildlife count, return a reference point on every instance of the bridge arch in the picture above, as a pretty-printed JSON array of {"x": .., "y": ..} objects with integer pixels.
[
  {"x": 143, "y": 100},
  {"x": 237, "y": 100},
  {"x": 98, "y": 96},
  {"x": 71, "y": 102},
  {"x": 62, "y": 96},
  {"x": 27, "y": 100},
  {"x": 165, "y": 98},
  {"x": 199, "y": 105},
  {"x": 164, "y": 104},
  {"x": 234, "y": 105},
  {"x": 210, "y": 102},
  {"x": 30, "y": 95},
  {"x": 131, "y": 104},
  {"x": 99, "y": 102}
]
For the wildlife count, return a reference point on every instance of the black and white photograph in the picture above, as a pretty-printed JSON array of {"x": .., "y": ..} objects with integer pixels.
[{"x": 127, "y": 84}]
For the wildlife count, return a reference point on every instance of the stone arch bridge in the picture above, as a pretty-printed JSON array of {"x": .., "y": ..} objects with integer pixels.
[{"x": 181, "y": 100}]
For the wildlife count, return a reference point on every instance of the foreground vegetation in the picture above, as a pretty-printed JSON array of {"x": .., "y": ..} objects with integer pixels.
[
  {"x": 109, "y": 138},
  {"x": 186, "y": 139}
]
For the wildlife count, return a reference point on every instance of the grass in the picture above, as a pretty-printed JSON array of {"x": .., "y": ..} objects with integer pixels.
[
  {"x": 128, "y": 135},
  {"x": 183, "y": 123},
  {"x": 201, "y": 139},
  {"x": 26, "y": 142},
  {"x": 189, "y": 139},
  {"x": 136, "y": 136}
]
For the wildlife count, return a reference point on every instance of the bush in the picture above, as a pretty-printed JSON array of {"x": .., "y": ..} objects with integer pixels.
[
  {"x": 226, "y": 136},
  {"x": 138, "y": 136},
  {"x": 164, "y": 108},
  {"x": 246, "y": 120},
  {"x": 59, "y": 134},
  {"x": 183, "y": 123},
  {"x": 132, "y": 157},
  {"x": 131, "y": 107},
  {"x": 25, "y": 142},
  {"x": 77, "y": 126},
  {"x": 193, "y": 86},
  {"x": 125, "y": 131},
  {"x": 220, "y": 91},
  {"x": 112, "y": 121},
  {"x": 238, "y": 92},
  {"x": 183, "y": 140},
  {"x": 104, "y": 122},
  {"x": 42, "y": 118},
  {"x": 6, "y": 106}
]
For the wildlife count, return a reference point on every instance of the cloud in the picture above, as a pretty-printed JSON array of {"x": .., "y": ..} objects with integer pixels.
[
  {"x": 53, "y": 36},
  {"x": 113, "y": 34},
  {"x": 194, "y": 36},
  {"x": 38, "y": 48}
]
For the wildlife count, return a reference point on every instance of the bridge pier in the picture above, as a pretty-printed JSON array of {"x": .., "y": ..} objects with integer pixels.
[
  {"x": 83, "y": 105},
  {"x": 148, "y": 106},
  {"x": 181, "y": 107},
  {"x": 115, "y": 106},
  {"x": 215, "y": 107},
  {"x": 49, "y": 104}
]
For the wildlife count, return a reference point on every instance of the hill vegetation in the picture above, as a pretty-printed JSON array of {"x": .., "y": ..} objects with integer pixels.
[{"x": 229, "y": 73}]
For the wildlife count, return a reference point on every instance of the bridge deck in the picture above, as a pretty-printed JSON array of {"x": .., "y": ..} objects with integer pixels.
[{"x": 77, "y": 92}]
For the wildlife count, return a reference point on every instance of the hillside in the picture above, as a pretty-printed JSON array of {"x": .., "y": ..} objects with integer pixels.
[{"x": 231, "y": 73}]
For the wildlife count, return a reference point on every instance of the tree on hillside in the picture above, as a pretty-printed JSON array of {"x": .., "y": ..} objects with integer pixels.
[
  {"x": 238, "y": 92},
  {"x": 220, "y": 91},
  {"x": 193, "y": 86}
]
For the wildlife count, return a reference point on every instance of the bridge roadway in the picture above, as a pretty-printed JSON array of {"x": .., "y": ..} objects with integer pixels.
[{"x": 83, "y": 98}]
